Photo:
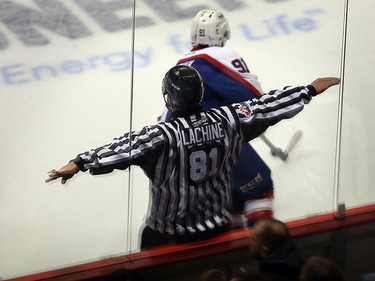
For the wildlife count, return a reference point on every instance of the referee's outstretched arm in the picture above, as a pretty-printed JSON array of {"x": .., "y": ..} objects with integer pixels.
[{"x": 316, "y": 87}]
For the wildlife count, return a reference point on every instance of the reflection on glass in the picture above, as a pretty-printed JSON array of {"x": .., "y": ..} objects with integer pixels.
[
  {"x": 277, "y": 48},
  {"x": 67, "y": 70},
  {"x": 356, "y": 163}
]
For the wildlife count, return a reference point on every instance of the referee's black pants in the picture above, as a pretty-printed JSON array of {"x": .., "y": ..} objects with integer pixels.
[{"x": 152, "y": 238}]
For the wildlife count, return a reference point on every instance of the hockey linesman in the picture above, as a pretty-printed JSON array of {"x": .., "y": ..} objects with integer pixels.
[
  {"x": 227, "y": 79},
  {"x": 188, "y": 159}
]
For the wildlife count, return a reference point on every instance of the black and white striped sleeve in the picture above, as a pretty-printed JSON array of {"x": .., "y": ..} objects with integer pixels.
[
  {"x": 258, "y": 114},
  {"x": 129, "y": 149}
]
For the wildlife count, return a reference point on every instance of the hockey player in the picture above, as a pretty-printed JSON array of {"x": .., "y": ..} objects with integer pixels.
[
  {"x": 227, "y": 79},
  {"x": 188, "y": 159}
]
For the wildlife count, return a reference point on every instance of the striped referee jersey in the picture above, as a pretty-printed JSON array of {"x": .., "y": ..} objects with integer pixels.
[{"x": 188, "y": 159}]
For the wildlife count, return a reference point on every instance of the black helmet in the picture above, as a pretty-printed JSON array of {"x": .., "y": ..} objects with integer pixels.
[{"x": 182, "y": 88}]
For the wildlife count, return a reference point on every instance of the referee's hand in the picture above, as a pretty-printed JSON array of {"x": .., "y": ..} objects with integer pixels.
[
  {"x": 322, "y": 84},
  {"x": 65, "y": 173}
]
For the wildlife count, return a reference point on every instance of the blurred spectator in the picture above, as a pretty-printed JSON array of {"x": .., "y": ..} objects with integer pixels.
[
  {"x": 368, "y": 277},
  {"x": 248, "y": 276},
  {"x": 124, "y": 275},
  {"x": 322, "y": 269},
  {"x": 278, "y": 256},
  {"x": 213, "y": 275}
]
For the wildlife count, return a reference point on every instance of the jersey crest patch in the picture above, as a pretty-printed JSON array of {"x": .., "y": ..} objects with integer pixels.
[{"x": 244, "y": 109}]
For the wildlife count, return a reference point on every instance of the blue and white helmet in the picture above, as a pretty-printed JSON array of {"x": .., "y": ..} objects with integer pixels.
[{"x": 209, "y": 27}]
